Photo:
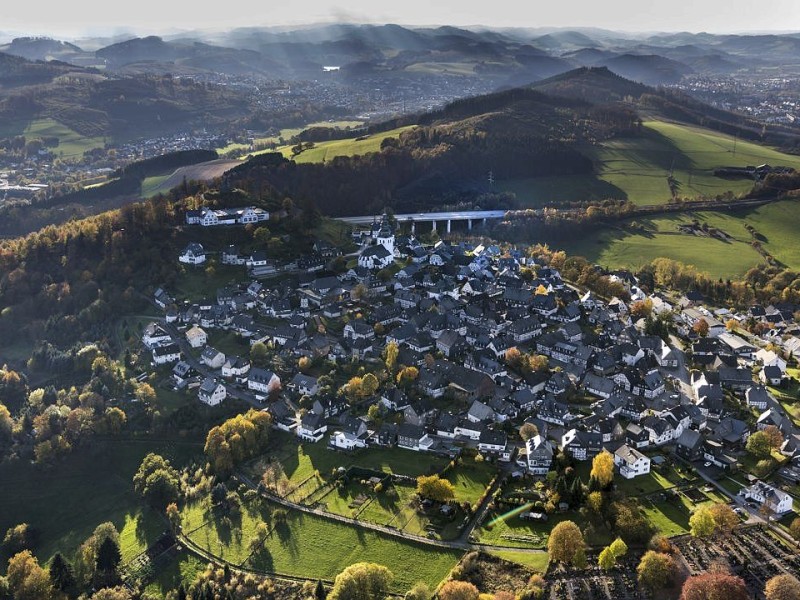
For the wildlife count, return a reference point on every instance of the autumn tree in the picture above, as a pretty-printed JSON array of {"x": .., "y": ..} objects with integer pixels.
[
  {"x": 714, "y": 585},
  {"x": 758, "y": 444},
  {"x": 655, "y": 570},
  {"x": 26, "y": 579},
  {"x": 435, "y": 488},
  {"x": 618, "y": 548},
  {"x": 641, "y": 309},
  {"x": 112, "y": 593},
  {"x": 390, "y": 353},
  {"x": 304, "y": 364},
  {"x": 725, "y": 520},
  {"x": 458, "y": 590},
  {"x": 606, "y": 560},
  {"x": 701, "y": 523},
  {"x": 564, "y": 542},
  {"x": 18, "y": 538},
  {"x": 700, "y": 327},
  {"x": 794, "y": 528},
  {"x": 603, "y": 468},
  {"x": 407, "y": 376},
  {"x": 420, "y": 591},
  {"x": 528, "y": 431},
  {"x": 774, "y": 436},
  {"x": 361, "y": 581},
  {"x": 782, "y": 587},
  {"x": 173, "y": 515},
  {"x": 157, "y": 481}
]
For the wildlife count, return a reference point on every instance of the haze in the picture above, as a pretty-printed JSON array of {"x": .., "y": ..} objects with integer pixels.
[{"x": 80, "y": 17}]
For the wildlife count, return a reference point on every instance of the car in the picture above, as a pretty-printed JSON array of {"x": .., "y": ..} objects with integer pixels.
[{"x": 706, "y": 464}]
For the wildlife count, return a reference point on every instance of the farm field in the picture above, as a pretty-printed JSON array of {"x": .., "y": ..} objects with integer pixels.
[
  {"x": 314, "y": 547},
  {"x": 324, "y": 151},
  {"x": 634, "y": 247},
  {"x": 89, "y": 487},
  {"x": 71, "y": 144},
  {"x": 206, "y": 171},
  {"x": 636, "y": 168}
]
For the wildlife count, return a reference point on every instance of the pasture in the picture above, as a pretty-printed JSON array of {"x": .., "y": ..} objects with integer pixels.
[
  {"x": 325, "y": 151},
  {"x": 313, "y": 547},
  {"x": 71, "y": 144},
  {"x": 636, "y": 168},
  {"x": 89, "y": 487},
  {"x": 161, "y": 184},
  {"x": 636, "y": 242}
]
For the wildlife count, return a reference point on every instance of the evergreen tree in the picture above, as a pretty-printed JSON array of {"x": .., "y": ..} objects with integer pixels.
[
  {"x": 62, "y": 576},
  {"x": 319, "y": 592},
  {"x": 108, "y": 556}
]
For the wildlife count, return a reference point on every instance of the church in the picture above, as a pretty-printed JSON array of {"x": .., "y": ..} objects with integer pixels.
[{"x": 380, "y": 254}]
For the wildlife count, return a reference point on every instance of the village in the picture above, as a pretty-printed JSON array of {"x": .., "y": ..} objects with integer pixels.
[{"x": 491, "y": 355}]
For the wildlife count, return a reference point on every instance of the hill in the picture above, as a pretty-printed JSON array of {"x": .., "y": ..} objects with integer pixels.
[
  {"x": 650, "y": 69},
  {"x": 591, "y": 84}
]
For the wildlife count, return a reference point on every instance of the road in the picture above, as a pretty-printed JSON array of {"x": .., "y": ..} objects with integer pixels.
[{"x": 464, "y": 215}]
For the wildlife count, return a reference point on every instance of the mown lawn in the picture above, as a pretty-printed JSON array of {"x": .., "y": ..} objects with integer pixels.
[
  {"x": 470, "y": 479},
  {"x": 91, "y": 486},
  {"x": 314, "y": 547},
  {"x": 659, "y": 478},
  {"x": 535, "y": 561},
  {"x": 518, "y": 533}
]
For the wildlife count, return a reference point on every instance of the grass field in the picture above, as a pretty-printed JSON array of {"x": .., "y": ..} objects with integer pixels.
[
  {"x": 470, "y": 480},
  {"x": 206, "y": 171},
  {"x": 314, "y": 547},
  {"x": 87, "y": 488},
  {"x": 515, "y": 533},
  {"x": 535, "y": 561},
  {"x": 184, "y": 568},
  {"x": 324, "y": 151},
  {"x": 301, "y": 461},
  {"x": 71, "y": 144},
  {"x": 636, "y": 168},
  {"x": 629, "y": 247}
]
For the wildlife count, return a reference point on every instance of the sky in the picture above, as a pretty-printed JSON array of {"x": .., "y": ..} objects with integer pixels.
[{"x": 72, "y": 18}]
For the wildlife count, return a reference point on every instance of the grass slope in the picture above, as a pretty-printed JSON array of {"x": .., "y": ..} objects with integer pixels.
[
  {"x": 71, "y": 144},
  {"x": 314, "y": 547},
  {"x": 623, "y": 246},
  {"x": 636, "y": 168},
  {"x": 87, "y": 488},
  {"x": 206, "y": 171},
  {"x": 324, "y": 151}
]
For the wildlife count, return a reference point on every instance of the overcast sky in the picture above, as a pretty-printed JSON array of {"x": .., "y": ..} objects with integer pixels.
[{"x": 76, "y": 17}]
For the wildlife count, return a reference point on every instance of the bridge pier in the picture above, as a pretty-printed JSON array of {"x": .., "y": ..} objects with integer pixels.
[
  {"x": 448, "y": 225},
  {"x": 484, "y": 221},
  {"x": 433, "y": 223},
  {"x": 413, "y": 227},
  {"x": 469, "y": 224}
]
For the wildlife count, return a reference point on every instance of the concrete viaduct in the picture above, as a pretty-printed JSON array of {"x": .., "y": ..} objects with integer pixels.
[{"x": 470, "y": 216}]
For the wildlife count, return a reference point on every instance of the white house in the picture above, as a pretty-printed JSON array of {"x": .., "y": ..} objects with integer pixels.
[
  {"x": 236, "y": 367},
  {"x": 263, "y": 380},
  {"x": 166, "y": 353},
  {"x": 344, "y": 440},
  {"x": 212, "y": 357},
  {"x": 155, "y": 335},
  {"x": 196, "y": 337},
  {"x": 631, "y": 462},
  {"x": 211, "y": 391},
  {"x": 312, "y": 427},
  {"x": 778, "y": 501},
  {"x": 193, "y": 254},
  {"x": 540, "y": 455}
]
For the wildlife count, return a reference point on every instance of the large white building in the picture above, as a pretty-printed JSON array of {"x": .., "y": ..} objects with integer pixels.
[
  {"x": 208, "y": 217},
  {"x": 631, "y": 462},
  {"x": 778, "y": 501}
]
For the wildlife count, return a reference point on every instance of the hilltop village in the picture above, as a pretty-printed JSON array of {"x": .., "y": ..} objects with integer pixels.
[{"x": 482, "y": 343}]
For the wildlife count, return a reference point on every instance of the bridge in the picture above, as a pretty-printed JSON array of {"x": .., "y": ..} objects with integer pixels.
[{"x": 470, "y": 216}]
